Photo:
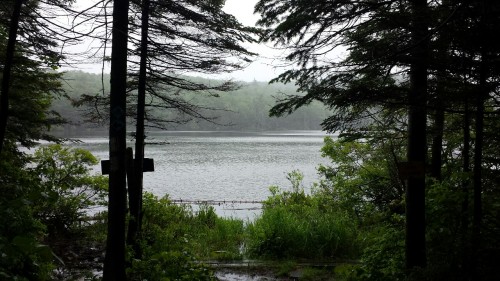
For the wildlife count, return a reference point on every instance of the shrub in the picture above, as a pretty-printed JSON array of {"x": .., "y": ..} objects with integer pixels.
[
  {"x": 215, "y": 237},
  {"x": 294, "y": 225},
  {"x": 175, "y": 238},
  {"x": 66, "y": 188},
  {"x": 22, "y": 256}
]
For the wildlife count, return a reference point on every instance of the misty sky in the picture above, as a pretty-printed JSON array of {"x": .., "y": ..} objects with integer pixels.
[{"x": 261, "y": 69}]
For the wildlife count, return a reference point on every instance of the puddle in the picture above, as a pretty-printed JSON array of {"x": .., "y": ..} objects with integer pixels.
[{"x": 242, "y": 276}]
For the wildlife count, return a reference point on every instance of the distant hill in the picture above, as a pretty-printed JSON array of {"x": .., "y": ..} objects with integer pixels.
[{"x": 246, "y": 109}]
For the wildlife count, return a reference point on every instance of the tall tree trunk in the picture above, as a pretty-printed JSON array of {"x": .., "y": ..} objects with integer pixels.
[
  {"x": 139, "y": 134},
  {"x": 479, "y": 140},
  {"x": 114, "y": 263},
  {"x": 437, "y": 140},
  {"x": 477, "y": 169},
  {"x": 465, "y": 189},
  {"x": 7, "y": 70},
  {"x": 417, "y": 143}
]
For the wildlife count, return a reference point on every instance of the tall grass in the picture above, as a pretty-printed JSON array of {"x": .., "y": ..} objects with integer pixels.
[
  {"x": 301, "y": 232},
  {"x": 297, "y": 225},
  {"x": 202, "y": 233},
  {"x": 175, "y": 238},
  {"x": 215, "y": 237},
  {"x": 292, "y": 225}
]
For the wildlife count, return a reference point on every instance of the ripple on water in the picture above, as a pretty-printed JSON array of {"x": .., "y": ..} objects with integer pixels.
[{"x": 224, "y": 166}]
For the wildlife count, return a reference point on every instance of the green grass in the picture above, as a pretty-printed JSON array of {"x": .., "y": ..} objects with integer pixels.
[
  {"x": 303, "y": 229},
  {"x": 216, "y": 238},
  {"x": 203, "y": 234}
]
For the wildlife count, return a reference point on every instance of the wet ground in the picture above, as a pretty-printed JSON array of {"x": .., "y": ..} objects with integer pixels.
[{"x": 231, "y": 275}]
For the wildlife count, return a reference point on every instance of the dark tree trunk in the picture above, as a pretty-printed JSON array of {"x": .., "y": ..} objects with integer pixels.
[
  {"x": 417, "y": 144},
  {"x": 114, "y": 263},
  {"x": 465, "y": 189},
  {"x": 7, "y": 70},
  {"x": 481, "y": 98},
  {"x": 477, "y": 169},
  {"x": 437, "y": 140},
  {"x": 140, "y": 135}
]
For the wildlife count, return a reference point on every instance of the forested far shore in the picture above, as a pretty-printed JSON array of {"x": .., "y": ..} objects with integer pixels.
[{"x": 245, "y": 109}]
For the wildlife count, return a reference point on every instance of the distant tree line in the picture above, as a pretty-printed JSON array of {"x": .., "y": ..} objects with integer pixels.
[{"x": 245, "y": 108}]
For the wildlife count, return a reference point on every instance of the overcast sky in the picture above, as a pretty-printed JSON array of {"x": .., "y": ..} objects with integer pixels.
[{"x": 261, "y": 69}]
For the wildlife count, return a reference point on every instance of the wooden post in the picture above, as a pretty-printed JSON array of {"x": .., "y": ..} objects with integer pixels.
[{"x": 133, "y": 202}]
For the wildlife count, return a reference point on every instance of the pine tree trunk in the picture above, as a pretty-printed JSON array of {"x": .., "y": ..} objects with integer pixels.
[
  {"x": 114, "y": 263},
  {"x": 7, "y": 70},
  {"x": 417, "y": 144},
  {"x": 465, "y": 189},
  {"x": 479, "y": 140},
  {"x": 477, "y": 169},
  {"x": 139, "y": 134},
  {"x": 437, "y": 141}
]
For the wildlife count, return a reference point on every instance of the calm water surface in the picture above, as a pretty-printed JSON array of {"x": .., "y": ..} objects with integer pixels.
[{"x": 224, "y": 165}]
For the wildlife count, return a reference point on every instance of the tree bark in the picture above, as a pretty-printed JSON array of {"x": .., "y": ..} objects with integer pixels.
[
  {"x": 477, "y": 169},
  {"x": 139, "y": 134},
  {"x": 114, "y": 263},
  {"x": 465, "y": 189},
  {"x": 437, "y": 141},
  {"x": 7, "y": 70},
  {"x": 481, "y": 98},
  {"x": 417, "y": 143}
]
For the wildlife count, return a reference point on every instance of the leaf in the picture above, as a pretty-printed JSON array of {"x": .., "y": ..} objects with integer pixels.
[{"x": 26, "y": 244}]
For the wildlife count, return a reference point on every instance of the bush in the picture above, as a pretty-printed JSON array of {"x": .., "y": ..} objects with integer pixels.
[
  {"x": 216, "y": 238},
  {"x": 66, "y": 188},
  {"x": 295, "y": 225},
  {"x": 175, "y": 238},
  {"x": 383, "y": 258},
  {"x": 22, "y": 256}
]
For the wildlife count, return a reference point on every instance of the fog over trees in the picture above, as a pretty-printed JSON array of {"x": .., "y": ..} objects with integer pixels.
[{"x": 245, "y": 108}]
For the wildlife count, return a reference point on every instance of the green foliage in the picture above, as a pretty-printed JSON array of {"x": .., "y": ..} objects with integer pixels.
[
  {"x": 32, "y": 90},
  {"x": 297, "y": 225},
  {"x": 169, "y": 265},
  {"x": 22, "y": 256},
  {"x": 46, "y": 198},
  {"x": 28, "y": 260},
  {"x": 386, "y": 45},
  {"x": 315, "y": 274},
  {"x": 66, "y": 190},
  {"x": 216, "y": 238},
  {"x": 383, "y": 258},
  {"x": 346, "y": 272},
  {"x": 175, "y": 238},
  {"x": 362, "y": 179}
]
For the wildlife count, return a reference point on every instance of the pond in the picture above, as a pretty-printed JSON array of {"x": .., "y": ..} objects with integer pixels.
[{"x": 224, "y": 166}]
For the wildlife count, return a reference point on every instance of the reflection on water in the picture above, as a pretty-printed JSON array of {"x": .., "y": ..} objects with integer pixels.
[{"x": 224, "y": 165}]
